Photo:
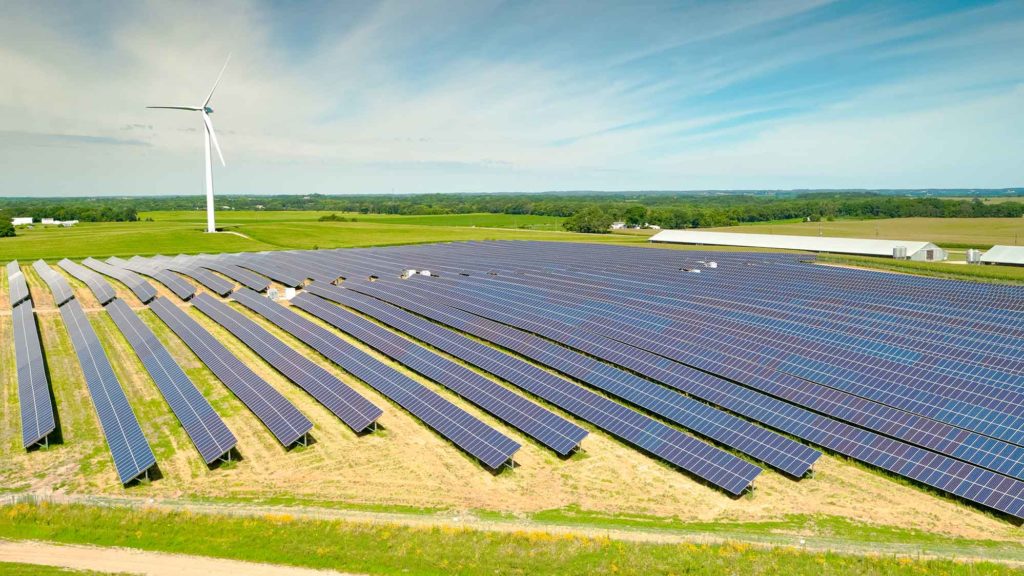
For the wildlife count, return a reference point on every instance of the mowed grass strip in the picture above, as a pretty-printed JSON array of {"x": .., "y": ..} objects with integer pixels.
[
  {"x": 15, "y": 569},
  {"x": 389, "y": 549}
]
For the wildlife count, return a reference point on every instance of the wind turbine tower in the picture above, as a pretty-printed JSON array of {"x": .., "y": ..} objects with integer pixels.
[{"x": 210, "y": 137}]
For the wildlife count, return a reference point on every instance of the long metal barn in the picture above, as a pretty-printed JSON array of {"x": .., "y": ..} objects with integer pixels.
[{"x": 758, "y": 361}]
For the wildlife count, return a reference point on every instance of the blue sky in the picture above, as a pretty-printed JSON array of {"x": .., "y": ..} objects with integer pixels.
[{"x": 425, "y": 96}]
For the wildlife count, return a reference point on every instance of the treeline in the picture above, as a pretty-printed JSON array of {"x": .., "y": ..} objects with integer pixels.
[{"x": 83, "y": 210}]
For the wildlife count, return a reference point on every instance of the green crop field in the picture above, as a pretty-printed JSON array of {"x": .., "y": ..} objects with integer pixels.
[
  {"x": 231, "y": 218},
  {"x": 947, "y": 232}
]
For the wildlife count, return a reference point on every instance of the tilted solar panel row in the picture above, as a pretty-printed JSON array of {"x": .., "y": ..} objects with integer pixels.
[
  {"x": 58, "y": 285},
  {"x": 132, "y": 455},
  {"x": 282, "y": 418},
  {"x": 792, "y": 457},
  {"x": 143, "y": 290},
  {"x": 278, "y": 273},
  {"x": 172, "y": 281},
  {"x": 240, "y": 275},
  {"x": 546, "y": 427},
  {"x": 202, "y": 424},
  {"x": 207, "y": 279},
  {"x": 101, "y": 288},
  {"x": 478, "y": 439},
  {"x": 712, "y": 464},
  {"x": 344, "y": 402},
  {"x": 976, "y": 484},
  {"x": 16, "y": 284},
  {"x": 38, "y": 420}
]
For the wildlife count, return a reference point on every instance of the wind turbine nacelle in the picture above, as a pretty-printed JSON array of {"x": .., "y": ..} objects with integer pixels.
[{"x": 208, "y": 110}]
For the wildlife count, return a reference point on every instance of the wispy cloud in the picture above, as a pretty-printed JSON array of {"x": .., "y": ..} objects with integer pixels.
[{"x": 488, "y": 95}]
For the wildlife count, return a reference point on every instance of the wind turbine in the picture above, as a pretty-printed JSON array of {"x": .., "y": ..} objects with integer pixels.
[{"x": 210, "y": 136}]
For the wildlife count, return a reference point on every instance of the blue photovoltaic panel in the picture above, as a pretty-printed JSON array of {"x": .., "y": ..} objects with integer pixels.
[
  {"x": 478, "y": 439},
  {"x": 101, "y": 288},
  {"x": 282, "y": 418},
  {"x": 208, "y": 279},
  {"x": 206, "y": 429},
  {"x": 131, "y": 452},
  {"x": 37, "y": 417},
  {"x": 143, "y": 290},
  {"x": 58, "y": 285},
  {"x": 712, "y": 464},
  {"x": 778, "y": 451},
  {"x": 276, "y": 273},
  {"x": 172, "y": 281},
  {"x": 16, "y": 284},
  {"x": 344, "y": 402},
  {"x": 236, "y": 273},
  {"x": 546, "y": 427}
]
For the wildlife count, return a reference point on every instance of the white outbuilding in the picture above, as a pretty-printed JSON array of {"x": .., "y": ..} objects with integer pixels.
[
  {"x": 19, "y": 221},
  {"x": 1009, "y": 255},
  {"x": 903, "y": 249}
]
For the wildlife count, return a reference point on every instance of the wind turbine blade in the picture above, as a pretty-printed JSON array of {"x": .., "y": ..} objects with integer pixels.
[
  {"x": 207, "y": 103},
  {"x": 213, "y": 137},
  {"x": 192, "y": 108}
]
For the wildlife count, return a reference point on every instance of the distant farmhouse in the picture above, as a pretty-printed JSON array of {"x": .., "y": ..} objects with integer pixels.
[
  {"x": 27, "y": 220},
  {"x": 899, "y": 249}
]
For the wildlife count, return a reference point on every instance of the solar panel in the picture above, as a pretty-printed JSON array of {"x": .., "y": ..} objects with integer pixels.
[
  {"x": 143, "y": 290},
  {"x": 792, "y": 457},
  {"x": 16, "y": 284},
  {"x": 712, "y": 464},
  {"x": 172, "y": 281},
  {"x": 37, "y": 417},
  {"x": 277, "y": 272},
  {"x": 132, "y": 454},
  {"x": 101, "y": 288},
  {"x": 236, "y": 273},
  {"x": 344, "y": 402},
  {"x": 478, "y": 439},
  {"x": 208, "y": 279},
  {"x": 282, "y": 418},
  {"x": 204, "y": 427},
  {"x": 58, "y": 285},
  {"x": 543, "y": 425},
  {"x": 993, "y": 490}
]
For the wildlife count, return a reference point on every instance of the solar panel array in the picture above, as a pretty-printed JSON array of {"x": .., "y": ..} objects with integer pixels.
[
  {"x": 38, "y": 419},
  {"x": 920, "y": 377},
  {"x": 202, "y": 424},
  {"x": 175, "y": 283},
  {"x": 58, "y": 285},
  {"x": 236, "y": 273},
  {"x": 707, "y": 462},
  {"x": 143, "y": 290},
  {"x": 132, "y": 454},
  {"x": 279, "y": 415},
  {"x": 544, "y": 426},
  {"x": 774, "y": 449},
  {"x": 463, "y": 429},
  {"x": 207, "y": 279},
  {"x": 100, "y": 287},
  {"x": 17, "y": 287},
  {"x": 344, "y": 402}
]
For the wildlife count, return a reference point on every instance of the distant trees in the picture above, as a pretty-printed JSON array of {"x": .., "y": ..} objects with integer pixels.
[
  {"x": 635, "y": 216},
  {"x": 6, "y": 229},
  {"x": 332, "y": 217},
  {"x": 591, "y": 220}
]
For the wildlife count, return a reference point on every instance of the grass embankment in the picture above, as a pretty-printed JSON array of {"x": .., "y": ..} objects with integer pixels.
[{"x": 389, "y": 549}]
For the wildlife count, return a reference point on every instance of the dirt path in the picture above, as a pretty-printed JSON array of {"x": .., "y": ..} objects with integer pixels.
[{"x": 139, "y": 562}]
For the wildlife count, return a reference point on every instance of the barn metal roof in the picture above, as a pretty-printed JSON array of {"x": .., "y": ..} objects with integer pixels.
[
  {"x": 874, "y": 247},
  {"x": 1004, "y": 255}
]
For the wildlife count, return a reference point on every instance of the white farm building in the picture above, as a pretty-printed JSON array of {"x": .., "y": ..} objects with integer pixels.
[
  {"x": 904, "y": 249},
  {"x": 1012, "y": 255}
]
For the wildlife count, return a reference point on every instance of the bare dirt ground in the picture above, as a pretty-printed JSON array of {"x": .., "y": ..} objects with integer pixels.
[
  {"x": 406, "y": 464},
  {"x": 124, "y": 560}
]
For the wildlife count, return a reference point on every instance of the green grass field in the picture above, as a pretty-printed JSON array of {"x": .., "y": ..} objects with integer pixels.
[
  {"x": 380, "y": 548},
  {"x": 10, "y": 569}
]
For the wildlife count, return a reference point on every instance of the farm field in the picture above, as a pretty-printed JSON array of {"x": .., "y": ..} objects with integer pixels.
[
  {"x": 232, "y": 217},
  {"x": 947, "y": 232}
]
